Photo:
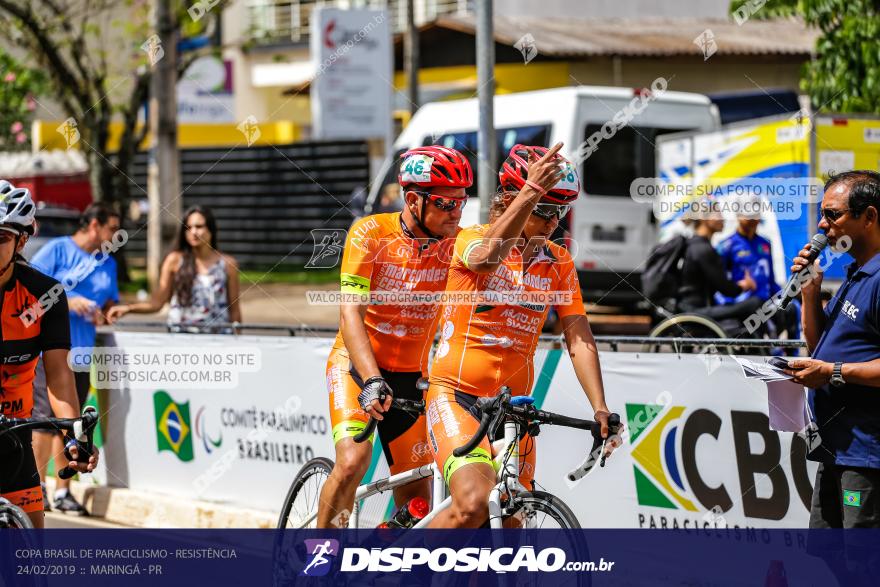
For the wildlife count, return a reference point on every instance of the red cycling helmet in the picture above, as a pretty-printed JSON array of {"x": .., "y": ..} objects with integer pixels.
[
  {"x": 434, "y": 166},
  {"x": 515, "y": 170}
]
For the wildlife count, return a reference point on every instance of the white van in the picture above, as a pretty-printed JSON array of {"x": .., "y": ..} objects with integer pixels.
[{"x": 611, "y": 233}]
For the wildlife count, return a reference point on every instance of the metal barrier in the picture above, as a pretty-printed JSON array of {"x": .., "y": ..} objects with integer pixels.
[{"x": 615, "y": 342}]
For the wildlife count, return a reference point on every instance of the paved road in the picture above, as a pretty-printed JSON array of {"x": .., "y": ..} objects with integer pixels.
[
  {"x": 271, "y": 303},
  {"x": 54, "y": 520}
]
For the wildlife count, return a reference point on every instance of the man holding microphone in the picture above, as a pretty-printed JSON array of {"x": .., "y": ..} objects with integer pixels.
[{"x": 844, "y": 372}]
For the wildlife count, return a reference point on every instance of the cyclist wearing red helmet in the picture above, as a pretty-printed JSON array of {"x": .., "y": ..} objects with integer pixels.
[
  {"x": 382, "y": 349},
  {"x": 485, "y": 346}
]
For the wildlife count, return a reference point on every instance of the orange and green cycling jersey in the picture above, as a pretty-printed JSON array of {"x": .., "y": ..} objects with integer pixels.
[
  {"x": 381, "y": 255},
  {"x": 484, "y": 346},
  {"x": 33, "y": 319}
]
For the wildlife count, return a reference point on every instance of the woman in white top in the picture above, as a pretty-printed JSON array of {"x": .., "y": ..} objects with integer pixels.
[{"x": 200, "y": 283}]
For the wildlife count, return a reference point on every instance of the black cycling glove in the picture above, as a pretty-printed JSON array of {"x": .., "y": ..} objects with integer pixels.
[{"x": 375, "y": 388}]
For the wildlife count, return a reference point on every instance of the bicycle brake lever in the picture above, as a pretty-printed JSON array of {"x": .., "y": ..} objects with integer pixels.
[{"x": 613, "y": 430}]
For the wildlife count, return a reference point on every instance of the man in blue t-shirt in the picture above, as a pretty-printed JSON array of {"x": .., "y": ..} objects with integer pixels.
[
  {"x": 745, "y": 252},
  {"x": 844, "y": 371},
  {"x": 83, "y": 265}
]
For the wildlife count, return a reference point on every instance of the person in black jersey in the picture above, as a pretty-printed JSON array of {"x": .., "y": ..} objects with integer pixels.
[
  {"x": 33, "y": 321},
  {"x": 703, "y": 274}
]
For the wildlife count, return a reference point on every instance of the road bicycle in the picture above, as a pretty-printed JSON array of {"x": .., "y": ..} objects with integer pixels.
[
  {"x": 12, "y": 516},
  {"x": 508, "y": 499},
  {"x": 82, "y": 429}
]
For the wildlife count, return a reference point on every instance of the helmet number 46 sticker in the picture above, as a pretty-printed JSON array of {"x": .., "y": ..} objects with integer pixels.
[
  {"x": 416, "y": 169},
  {"x": 568, "y": 180}
]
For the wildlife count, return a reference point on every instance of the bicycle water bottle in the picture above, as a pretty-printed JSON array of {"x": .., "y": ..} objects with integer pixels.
[{"x": 409, "y": 514}]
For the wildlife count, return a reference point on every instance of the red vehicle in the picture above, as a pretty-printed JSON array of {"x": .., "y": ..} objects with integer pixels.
[{"x": 67, "y": 190}]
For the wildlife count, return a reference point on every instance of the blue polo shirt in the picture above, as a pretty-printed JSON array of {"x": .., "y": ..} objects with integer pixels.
[
  {"x": 849, "y": 416},
  {"x": 740, "y": 253}
]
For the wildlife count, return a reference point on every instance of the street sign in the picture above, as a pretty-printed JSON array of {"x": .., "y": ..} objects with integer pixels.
[{"x": 351, "y": 90}]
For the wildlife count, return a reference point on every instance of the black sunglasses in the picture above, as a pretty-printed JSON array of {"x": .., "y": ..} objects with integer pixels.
[
  {"x": 445, "y": 204},
  {"x": 832, "y": 215}
]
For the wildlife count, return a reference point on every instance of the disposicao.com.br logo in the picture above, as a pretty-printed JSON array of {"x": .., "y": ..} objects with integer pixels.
[
  {"x": 321, "y": 554},
  {"x": 465, "y": 560}
]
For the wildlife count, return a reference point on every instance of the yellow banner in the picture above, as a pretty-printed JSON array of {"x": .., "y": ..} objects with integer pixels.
[{"x": 56, "y": 134}]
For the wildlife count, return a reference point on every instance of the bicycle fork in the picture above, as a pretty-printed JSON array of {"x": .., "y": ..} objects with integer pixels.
[{"x": 508, "y": 484}]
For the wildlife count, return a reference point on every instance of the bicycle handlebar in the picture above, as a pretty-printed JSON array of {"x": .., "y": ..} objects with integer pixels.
[
  {"x": 82, "y": 429},
  {"x": 416, "y": 407},
  {"x": 494, "y": 408},
  {"x": 486, "y": 405}
]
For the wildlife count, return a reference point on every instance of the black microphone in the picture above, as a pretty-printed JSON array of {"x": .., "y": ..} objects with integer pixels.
[{"x": 792, "y": 288}]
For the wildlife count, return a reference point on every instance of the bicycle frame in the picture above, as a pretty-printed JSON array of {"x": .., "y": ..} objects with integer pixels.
[
  {"x": 507, "y": 464},
  {"x": 438, "y": 488},
  {"x": 508, "y": 474},
  {"x": 508, "y": 483},
  {"x": 393, "y": 482},
  {"x": 507, "y": 456}
]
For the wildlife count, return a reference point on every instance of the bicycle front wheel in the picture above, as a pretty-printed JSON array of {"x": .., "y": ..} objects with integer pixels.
[
  {"x": 542, "y": 510},
  {"x": 300, "y": 509},
  {"x": 14, "y": 517},
  {"x": 539, "y": 510}
]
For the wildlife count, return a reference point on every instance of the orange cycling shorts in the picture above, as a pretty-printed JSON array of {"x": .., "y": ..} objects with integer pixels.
[
  {"x": 452, "y": 421},
  {"x": 402, "y": 435}
]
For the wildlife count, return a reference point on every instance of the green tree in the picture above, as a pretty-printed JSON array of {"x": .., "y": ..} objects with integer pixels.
[
  {"x": 19, "y": 86},
  {"x": 844, "y": 76},
  {"x": 94, "y": 54}
]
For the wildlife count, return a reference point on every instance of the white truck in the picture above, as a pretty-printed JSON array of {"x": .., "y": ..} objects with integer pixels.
[
  {"x": 782, "y": 160},
  {"x": 610, "y": 233}
]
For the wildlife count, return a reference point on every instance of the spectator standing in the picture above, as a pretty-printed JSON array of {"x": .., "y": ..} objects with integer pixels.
[
  {"x": 200, "y": 283},
  {"x": 844, "y": 371},
  {"x": 90, "y": 282}
]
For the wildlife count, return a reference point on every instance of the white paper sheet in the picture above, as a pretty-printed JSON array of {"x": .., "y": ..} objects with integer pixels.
[
  {"x": 762, "y": 371},
  {"x": 787, "y": 406}
]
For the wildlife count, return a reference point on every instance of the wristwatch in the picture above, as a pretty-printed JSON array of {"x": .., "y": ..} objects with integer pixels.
[{"x": 837, "y": 375}]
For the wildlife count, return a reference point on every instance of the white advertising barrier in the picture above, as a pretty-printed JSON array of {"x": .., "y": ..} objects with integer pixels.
[
  {"x": 698, "y": 452},
  {"x": 240, "y": 444}
]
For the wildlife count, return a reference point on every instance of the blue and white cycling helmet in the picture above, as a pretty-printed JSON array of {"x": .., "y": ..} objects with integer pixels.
[{"x": 17, "y": 208}]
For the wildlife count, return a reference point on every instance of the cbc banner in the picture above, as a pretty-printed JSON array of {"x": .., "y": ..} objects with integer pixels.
[
  {"x": 698, "y": 451},
  {"x": 233, "y": 419}
]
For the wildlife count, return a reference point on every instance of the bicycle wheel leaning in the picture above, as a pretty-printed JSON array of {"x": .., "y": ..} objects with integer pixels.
[
  {"x": 14, "y": 517},
  {"x": 541, "y": 510},
  {"x": 300, "y": 509}
]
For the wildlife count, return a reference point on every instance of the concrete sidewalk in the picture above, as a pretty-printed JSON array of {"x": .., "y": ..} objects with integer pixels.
[{"x": 152, "y": 510}]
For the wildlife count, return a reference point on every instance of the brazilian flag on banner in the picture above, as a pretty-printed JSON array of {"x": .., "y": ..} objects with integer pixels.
[{"x": 173, "y": 428}]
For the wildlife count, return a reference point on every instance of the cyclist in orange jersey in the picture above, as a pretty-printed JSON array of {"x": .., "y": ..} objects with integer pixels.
[
  {"x": 33, "y": 321},
  {"x": 491, "y": 343},
  {"x": 382, "y": 348}
]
